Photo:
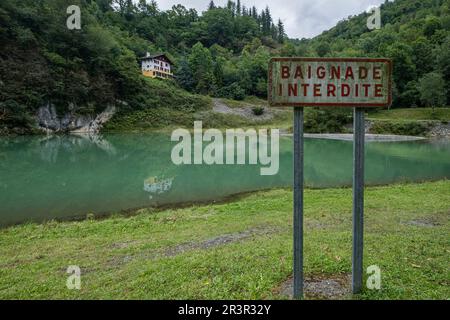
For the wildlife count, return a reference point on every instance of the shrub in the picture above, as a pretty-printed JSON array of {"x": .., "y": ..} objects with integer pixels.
[
  {"x": 258, "y": 111},
  {"x": 233, "y": 91},
  {"x": 400, "y": 128},
  {"x": 327, "y": 120}
]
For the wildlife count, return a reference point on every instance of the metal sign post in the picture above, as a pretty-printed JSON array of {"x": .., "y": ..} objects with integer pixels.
[
  {"x": 358, "y": 198},
  {"x": 298, "y": 202},
  {"x": 330, "y": 82}
]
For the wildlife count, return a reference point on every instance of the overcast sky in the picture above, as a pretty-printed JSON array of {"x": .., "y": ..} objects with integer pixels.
[{"x": 302, "y": 18}]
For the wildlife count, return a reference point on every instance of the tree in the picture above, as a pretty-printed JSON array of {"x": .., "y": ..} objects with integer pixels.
[
  {"x": 218, "y": 71},
  {"x": 211, "y": 6},
  {"x": 106, "y": 5},
  {"x": 443, "y": 64},
  {"x": 281, "y": 32},
  {"x": 432, "y": 90},
  {"x": 404, "y": 68},
  {"x": 184, "y": 75},
  {"x": 201, "y": 64},
  {"x": 288, "y": 50},
  {"x": 233, "y": 91},
  {"x": 432, "y": 24},
  {"x": 266, "y": 21},
  {"x": 323, "y": 49},
  {"x": 254, "y": 13},
  {"x": 238, "y": 8},
  {"x": 219, "y": 26},
  {"x": 422, "y": 56}
]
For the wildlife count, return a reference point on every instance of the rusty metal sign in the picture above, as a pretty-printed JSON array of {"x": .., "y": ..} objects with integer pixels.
[{"x": 330, "y": 82}]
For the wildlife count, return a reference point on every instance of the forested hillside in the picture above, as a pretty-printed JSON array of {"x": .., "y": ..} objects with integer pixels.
[
  {"x": 221, "y": 52},
  {"x": 414, "y": 33}
]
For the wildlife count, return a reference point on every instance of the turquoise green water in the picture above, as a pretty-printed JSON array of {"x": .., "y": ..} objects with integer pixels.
[{"x": 42, "y": 178}]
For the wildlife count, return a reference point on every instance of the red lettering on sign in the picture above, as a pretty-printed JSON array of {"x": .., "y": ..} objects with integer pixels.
[
  {"x": 331, "y": 90},
  {"x": 363, "y": 72},
  {"x": 317, "y": 92},
  {"x": 335, "y": 72},
  {"x": 366, "y": 89},
  {"x": 349, "y": 73},
  {"x": 330, "y": 82},
  {"x": 321, "y": 72},
  {"x": 376, "y": 73},
  {"x": 285, "y": 72},
  {"x": 293, "y": 90},
  {"x": 346, "y": 92},
  {"x": 305, "y": 88},
  {"x": 378, "y": 90},
  {"x": 298, "y": 73}
]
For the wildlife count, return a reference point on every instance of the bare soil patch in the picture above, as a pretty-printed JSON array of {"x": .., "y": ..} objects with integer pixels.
[
  {"x": 189, "y": 246},
  {"x": 423, "y": 222},
  {"x": 243, "y": 111},
  {"x": 322, "y": 287}
]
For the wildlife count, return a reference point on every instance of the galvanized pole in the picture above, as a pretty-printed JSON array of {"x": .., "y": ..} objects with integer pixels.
[
  {"x": 358, "y": 199},
  {"x": 298, "y": 202}
]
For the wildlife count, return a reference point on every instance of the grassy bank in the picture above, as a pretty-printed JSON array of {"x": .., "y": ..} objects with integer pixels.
[
  {"x": 409, "y": 114},
  {"x": 179, "y": 115},
  {"x": 411, "y": 121},
  {"x": 239, "y": 250}
]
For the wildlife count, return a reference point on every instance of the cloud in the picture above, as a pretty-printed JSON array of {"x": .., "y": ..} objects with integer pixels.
[{"x": 302, "y": 18}]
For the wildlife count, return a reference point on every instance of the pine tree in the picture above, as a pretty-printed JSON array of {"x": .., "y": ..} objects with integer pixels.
[
  {"x": 254, "y": 13},
  {"x": 230, "y": 5},
  {"x": 244, "y": 11},
  {"x": 238, "y": 8},
  {"x": 281, "y": 31},
  {"x": 184, "y": 75},
  {"x": 268, "y": 20},
  {"x": 211, "y": 5},
  {"x": 274, "y": 31}
]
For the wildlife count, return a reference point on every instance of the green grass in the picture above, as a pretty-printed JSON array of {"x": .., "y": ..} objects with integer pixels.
[
  {"x": 408, "y": 114},
  {"x": 249, "y": 101},
  {"x": 401, "y": 127},
  {"x": 139, "y": 257}
]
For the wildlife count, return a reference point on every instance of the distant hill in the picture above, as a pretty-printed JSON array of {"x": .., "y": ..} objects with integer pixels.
[{"x": 414, "y": 33}]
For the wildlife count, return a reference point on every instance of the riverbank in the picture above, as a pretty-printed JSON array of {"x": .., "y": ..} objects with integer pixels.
[
  {"x": 368, "y": 137},
  {"x": 252, "y": 112},
  {"x": 237, "y": 250},
  {"x": 255, "y": 113}
]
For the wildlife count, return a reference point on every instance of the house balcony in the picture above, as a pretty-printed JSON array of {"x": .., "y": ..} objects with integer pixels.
[{"x": 158, "y": 74}]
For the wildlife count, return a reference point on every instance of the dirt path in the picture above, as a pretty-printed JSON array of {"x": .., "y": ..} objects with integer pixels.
[{"x": 190, "y": 246}]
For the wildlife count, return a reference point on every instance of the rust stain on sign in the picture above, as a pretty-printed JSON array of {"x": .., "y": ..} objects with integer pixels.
[{"x": 332, "y": 82}]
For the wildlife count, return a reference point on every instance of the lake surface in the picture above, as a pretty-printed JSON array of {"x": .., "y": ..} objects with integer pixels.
[{"x": 42, "y": 178}]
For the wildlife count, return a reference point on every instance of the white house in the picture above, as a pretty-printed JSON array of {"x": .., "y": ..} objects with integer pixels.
[{"x": 157, "y": 66}]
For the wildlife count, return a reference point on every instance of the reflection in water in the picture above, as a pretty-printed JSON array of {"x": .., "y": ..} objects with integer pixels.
[
  {"x": 50, "y": 146},
  {"x": 62, "y": 176},
  {"x": 154, "y": 185}
]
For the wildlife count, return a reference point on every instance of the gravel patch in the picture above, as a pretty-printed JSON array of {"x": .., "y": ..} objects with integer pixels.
[{"x": 323, "y": 287}]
